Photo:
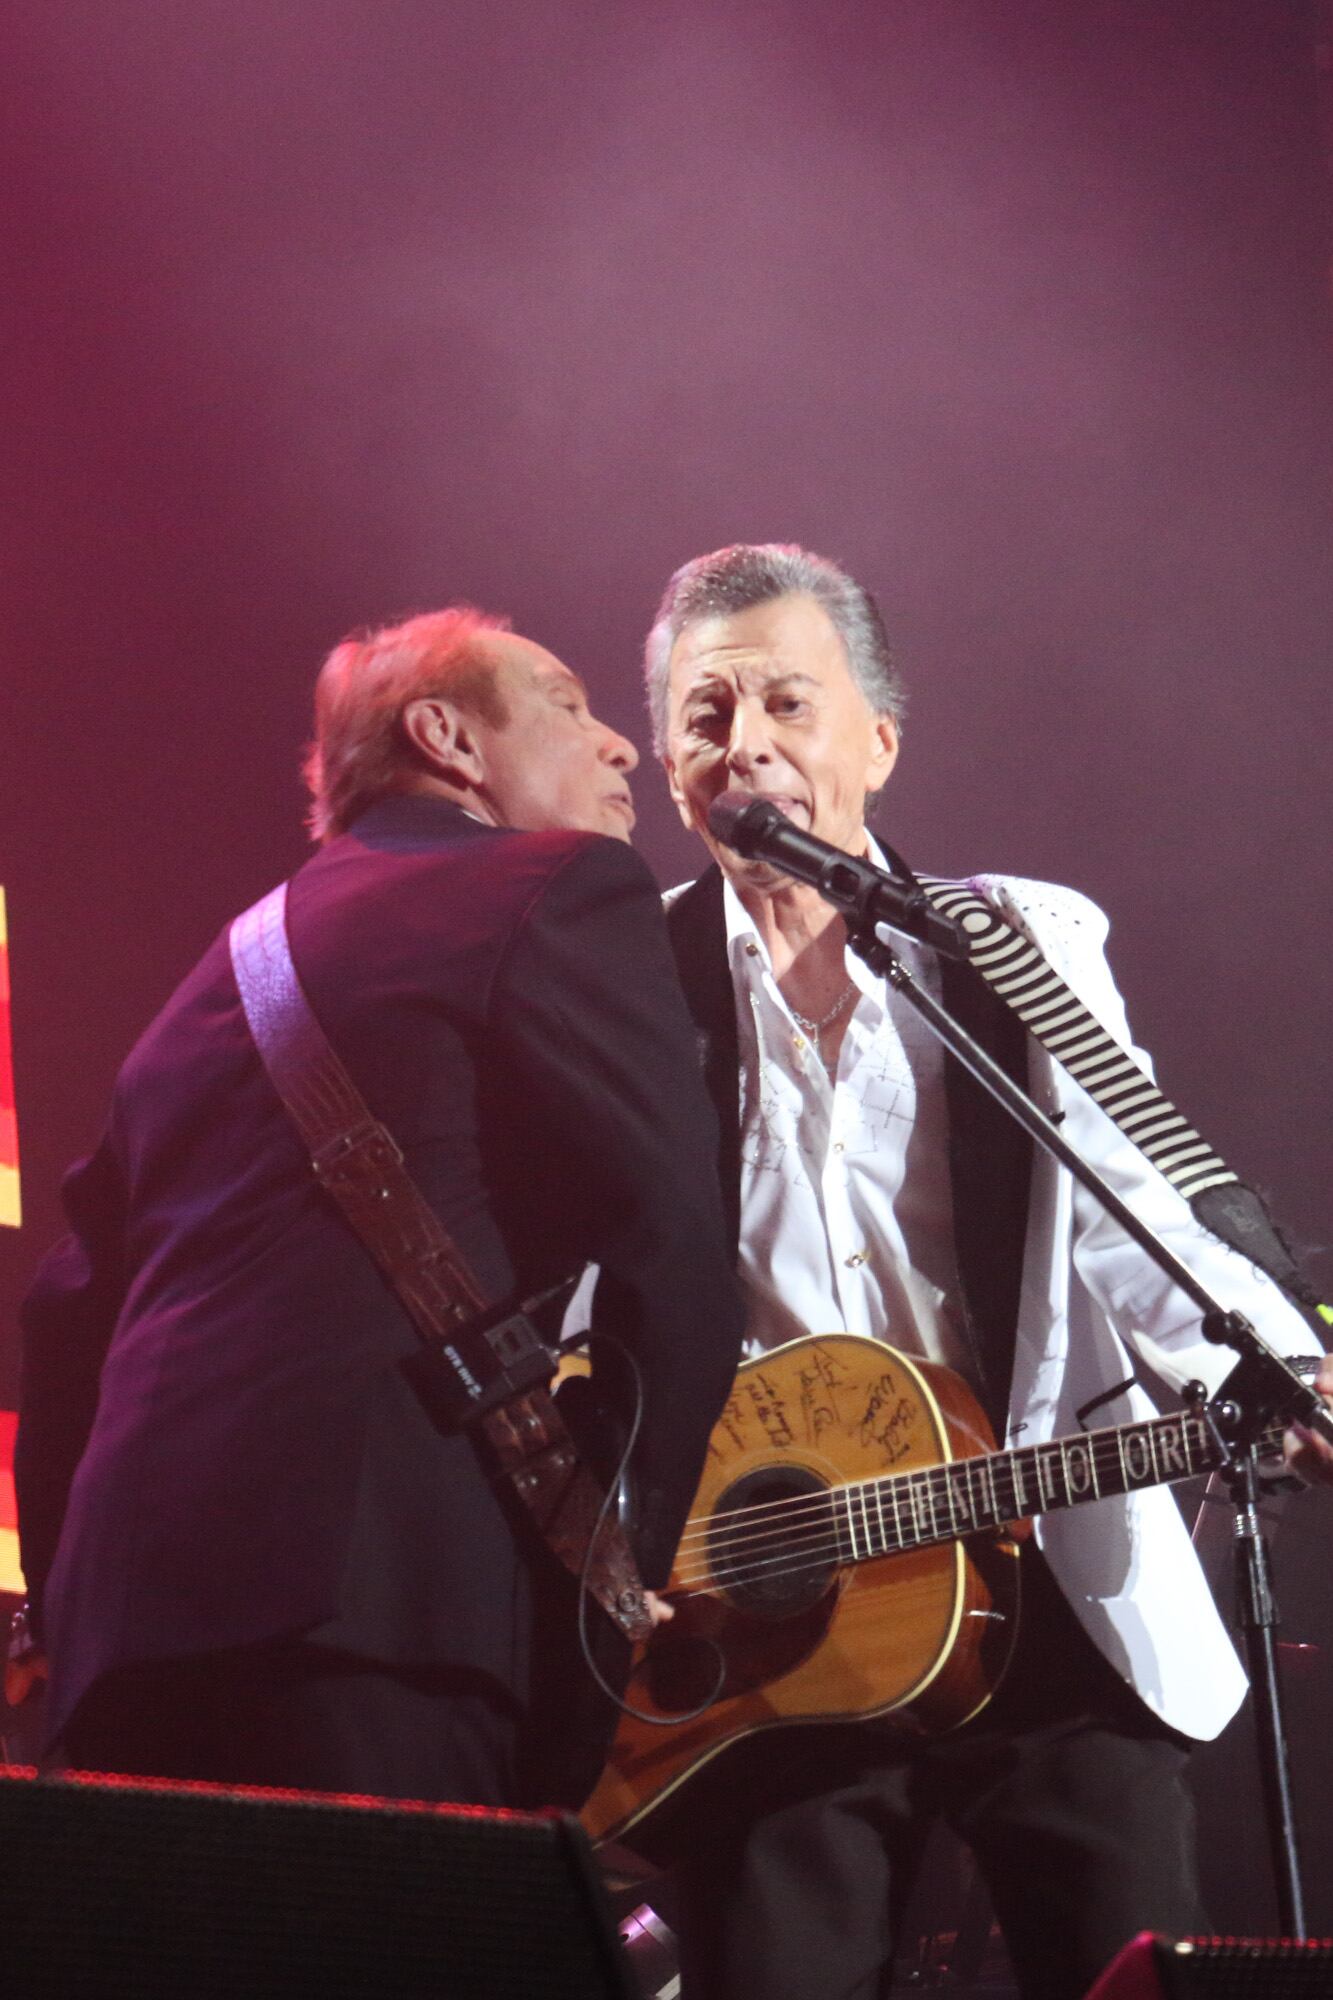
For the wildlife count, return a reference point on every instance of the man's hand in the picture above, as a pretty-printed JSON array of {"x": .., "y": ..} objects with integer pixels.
[
  {"x": 1306, "y": 1453},
  {"x": 658, "y": 1609}
]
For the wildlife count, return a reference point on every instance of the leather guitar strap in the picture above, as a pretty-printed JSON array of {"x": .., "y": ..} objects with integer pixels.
[{"x": 496, "y": 1371}]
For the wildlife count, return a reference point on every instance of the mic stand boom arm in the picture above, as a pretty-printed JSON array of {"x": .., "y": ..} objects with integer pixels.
[
  {"x": 1283, "y": 1390},
  {"x": 1260, "y": 1388}
]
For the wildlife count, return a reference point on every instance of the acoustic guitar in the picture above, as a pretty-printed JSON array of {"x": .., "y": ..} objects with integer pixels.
[{"x": 852, "y": 1552}]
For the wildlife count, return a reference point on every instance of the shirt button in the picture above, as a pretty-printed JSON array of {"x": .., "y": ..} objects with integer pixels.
[
  {"x": 751, "y": 948},
  {"x": 857, "y": 1257},
  {"x": 837, "y": 1145}
]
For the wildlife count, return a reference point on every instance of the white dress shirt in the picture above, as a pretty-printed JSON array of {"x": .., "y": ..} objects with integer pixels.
[{"x": 846, "y": 1205}]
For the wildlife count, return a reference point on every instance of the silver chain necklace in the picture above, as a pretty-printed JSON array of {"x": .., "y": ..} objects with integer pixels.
[{"x": 814, "y": 1029}]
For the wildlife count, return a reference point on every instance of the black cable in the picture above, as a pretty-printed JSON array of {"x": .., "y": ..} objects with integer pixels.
[{"x": 611, "y": 1498}]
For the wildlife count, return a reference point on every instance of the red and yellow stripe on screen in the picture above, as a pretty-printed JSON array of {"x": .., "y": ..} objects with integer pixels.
[
  {"x": 11, "y": 1574},
  {"x": 11, "y": 1577},
  {"x": 10, "y": 1209}
]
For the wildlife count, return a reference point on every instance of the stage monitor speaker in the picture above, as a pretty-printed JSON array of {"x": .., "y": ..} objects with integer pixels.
[
  {"x": 1156, "y": 1968},
  {"x": 120, "y": 1887}
]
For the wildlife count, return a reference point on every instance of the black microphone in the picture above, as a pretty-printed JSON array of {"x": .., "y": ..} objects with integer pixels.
[{"x": 866, "y": 895}]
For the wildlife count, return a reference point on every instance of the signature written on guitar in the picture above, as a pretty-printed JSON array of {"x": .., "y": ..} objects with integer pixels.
[
  {"x": 888, "y": 1419},
  {"x": 819, "y": 1382},
  {"x": 818, "y": 1400},
  {"x": 756, "y": 1398}
]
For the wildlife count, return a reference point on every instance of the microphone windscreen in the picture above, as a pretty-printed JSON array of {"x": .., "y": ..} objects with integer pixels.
[{"x": 726, "y": 813}]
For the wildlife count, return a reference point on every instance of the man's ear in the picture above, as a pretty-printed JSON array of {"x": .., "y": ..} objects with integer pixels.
[
  {"x": 682, "y": 803},
  {"x": 883, "y": 753},
  {"x": 445, "y": 740}
]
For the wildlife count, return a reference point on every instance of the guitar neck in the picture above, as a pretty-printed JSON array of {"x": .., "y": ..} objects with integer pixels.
[{"x": 912, "y": 1510}]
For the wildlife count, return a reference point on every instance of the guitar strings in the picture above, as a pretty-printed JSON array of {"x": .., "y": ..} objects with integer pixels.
[
  {"x": 762, "y": 1518},
  {"x": 738, "y": 1558},
  {"x": 704, "y": 1581},
  {"x": 750, "y": 1571},
  {"x": 697, "y": 1527},
  {"x": 1104, "y": 1448},
  {"x": 736, "y": 1544},
  {"x": 819, "y": 1529},
  {"x": 766, "y": 1571},
  {"x": 706, "y": 1529},
  {"x": 752, "y": 1528}
]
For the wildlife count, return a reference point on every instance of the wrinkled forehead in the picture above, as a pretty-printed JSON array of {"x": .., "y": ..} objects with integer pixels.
[{"x": 785, "y": 639}]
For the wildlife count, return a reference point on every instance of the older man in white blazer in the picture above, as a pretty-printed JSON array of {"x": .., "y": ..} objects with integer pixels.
[{"x": 874, "y": 1186}]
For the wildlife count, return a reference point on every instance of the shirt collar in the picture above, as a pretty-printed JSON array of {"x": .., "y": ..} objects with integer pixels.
[{"x": 747, "y": 951}]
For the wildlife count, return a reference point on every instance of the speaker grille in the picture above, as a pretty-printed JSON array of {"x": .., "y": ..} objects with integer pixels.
[
  {"x": 112, "y": 1887},
  {"x": 1224, "y": 1968}
]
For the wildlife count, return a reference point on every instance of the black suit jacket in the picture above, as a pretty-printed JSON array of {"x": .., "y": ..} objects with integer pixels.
[{"x": 224, "y": 1433}]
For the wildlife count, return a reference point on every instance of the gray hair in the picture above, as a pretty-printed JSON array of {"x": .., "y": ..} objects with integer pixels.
[{"x": 750, "y": 573}]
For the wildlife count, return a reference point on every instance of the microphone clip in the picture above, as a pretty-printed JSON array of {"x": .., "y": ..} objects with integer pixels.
[{"x": 866, "y": 896}]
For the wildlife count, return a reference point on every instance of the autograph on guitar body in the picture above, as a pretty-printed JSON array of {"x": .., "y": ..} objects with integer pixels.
[
  {"x": 852, "y": 1552},
  {"x": 784, "y": 1574}
]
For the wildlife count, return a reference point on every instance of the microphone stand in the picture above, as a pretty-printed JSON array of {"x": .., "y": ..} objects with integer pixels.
[{"x": 1260, "y": 1388}]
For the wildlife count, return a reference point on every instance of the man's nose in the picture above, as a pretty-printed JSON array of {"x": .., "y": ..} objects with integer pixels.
[
  {"x": 750, "y": 742},
  {"x": 617, "y": 750}
]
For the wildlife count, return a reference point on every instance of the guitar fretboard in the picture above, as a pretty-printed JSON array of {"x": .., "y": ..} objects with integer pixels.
[{"x": 912, "y": 1510}]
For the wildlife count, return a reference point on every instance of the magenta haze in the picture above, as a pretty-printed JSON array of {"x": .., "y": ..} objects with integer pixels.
[{"x": 334, "y": 312}]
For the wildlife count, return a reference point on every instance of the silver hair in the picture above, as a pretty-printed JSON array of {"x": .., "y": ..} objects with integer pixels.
[{"x": 750, "y": 573}]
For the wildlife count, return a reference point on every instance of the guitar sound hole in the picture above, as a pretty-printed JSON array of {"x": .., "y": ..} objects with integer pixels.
[{"x": 780, "y": 1554}]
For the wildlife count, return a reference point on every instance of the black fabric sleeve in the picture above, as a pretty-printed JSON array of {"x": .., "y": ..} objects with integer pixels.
[
  {"x": 590, "y": 1020},
  {"x": 66, "y": 1321}
]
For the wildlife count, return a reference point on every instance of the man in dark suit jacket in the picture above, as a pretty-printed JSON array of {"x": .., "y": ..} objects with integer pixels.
[{"x": 257, "y": 1551}]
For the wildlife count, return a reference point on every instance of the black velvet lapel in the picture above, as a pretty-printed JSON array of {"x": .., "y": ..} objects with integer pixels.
[
  {"x": 697, "y": 927},
  {"x": 990, "y": 1167}
]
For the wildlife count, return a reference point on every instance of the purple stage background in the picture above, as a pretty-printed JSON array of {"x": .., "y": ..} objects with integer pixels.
[{"x": 324, "y": 311}]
